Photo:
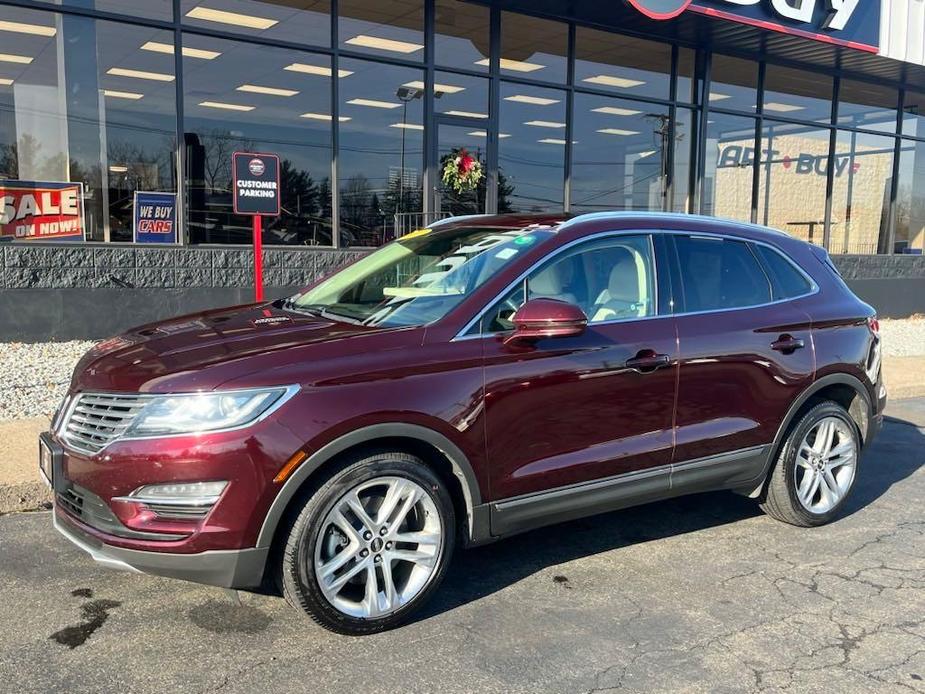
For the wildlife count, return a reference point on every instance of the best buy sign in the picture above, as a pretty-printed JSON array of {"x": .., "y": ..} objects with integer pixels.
[{"x": 847, "y": 21}]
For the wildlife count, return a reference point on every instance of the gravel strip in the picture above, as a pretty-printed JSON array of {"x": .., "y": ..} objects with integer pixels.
[
  {"x": 903, "y": 338},
  {"x": 33, "y": 377}
]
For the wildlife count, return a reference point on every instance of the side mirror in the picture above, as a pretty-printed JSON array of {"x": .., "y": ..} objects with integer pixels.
[{"x": 542, "y": 318}]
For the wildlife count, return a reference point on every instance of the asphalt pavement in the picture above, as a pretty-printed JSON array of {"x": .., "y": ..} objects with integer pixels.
[{"x": 701, "y": 594}]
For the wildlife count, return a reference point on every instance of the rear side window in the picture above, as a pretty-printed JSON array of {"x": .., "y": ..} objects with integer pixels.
[
  {"x": 786, "y": 281},
  {"x": 720, "y": 274}
]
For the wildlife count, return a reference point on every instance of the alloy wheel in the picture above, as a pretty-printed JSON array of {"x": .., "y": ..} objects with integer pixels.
[
  {"x": 826, "y": 464},
  {"x": 379, "y": 547}
]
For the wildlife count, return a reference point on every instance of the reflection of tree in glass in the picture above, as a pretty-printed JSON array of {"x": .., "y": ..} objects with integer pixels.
[
  {"x": 25, "y": 158},
  {"x": 146, "y": 170},
  {"x": 218, "y": 146},
  {"x": 298, "y": 190},
  {"x": 356, "y": 196},
  {"x": 8, "y": 162}
]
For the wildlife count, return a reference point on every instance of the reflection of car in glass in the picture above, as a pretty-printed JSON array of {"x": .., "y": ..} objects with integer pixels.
[
  {"x": 473, "y": 380},
  {"x": 214, "y": 221}
]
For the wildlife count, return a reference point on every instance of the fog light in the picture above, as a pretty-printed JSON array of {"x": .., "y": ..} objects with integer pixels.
[{"x": 177, "y": 501}]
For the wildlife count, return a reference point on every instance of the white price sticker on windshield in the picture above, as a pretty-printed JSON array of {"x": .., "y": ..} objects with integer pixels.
[{"x": 506, "y": 253}]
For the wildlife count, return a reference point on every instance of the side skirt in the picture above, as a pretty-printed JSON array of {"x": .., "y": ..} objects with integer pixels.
[{"x": 735, "y": 470}]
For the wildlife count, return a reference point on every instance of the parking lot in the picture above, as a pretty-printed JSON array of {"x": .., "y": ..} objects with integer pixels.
[{"x": 698, "y": 594}]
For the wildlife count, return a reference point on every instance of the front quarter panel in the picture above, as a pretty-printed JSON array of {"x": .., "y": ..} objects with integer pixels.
[{"x": 437, "y": 387}]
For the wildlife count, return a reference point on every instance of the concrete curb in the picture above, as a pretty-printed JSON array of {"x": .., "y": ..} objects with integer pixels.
[{"x": 25, "y": 496}]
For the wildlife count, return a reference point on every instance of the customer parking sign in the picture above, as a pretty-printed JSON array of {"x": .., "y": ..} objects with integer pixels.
[{"x": 155, "y": 217}]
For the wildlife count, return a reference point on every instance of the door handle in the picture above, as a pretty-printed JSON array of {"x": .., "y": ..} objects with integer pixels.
[
  {"x": 787, "y": 344},
  {"x": 647, "y": 361}
]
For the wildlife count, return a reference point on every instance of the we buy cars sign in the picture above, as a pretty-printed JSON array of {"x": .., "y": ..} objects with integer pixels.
[{"x": 32, "y": 210}]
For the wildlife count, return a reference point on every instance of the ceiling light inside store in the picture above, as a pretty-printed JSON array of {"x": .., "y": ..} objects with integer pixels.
[
  {"x": 156, "y": 47},
  {"x": 466, "y": 114},
  {"x": 118, "y": 169},
  {"x": 10, "y": 58},
  {"x": 5, "y": 81},
  {"x": 544, "y": 124},
  {"x": 316, "y": 70},
  {"x": 372, "y": 103},
  {"x": 324, "y": 116},
  {"x": 384, "y": 44},
  {"x": 484, "y": 133},
  {"x": 227, "y": 107},
  {"x": 271, "y": 91},
  {"x": 513, "y": 65},
  {"x": 618, "y": 131},
  {"x": 716, "y": 96},
  {"x": 612, "y": 81},
  {"x": 643, "y": 155},
  {"x": 441, "y": 88},
  {"x": 23, "y": 28},
  {"x": 534, "y": 100},
  {"x": 554, "y": 141},
  {"x": 781, "y": 108},
  {"x": 232, "y": 18},
  {"x": 139, "y": 74},
  {"x": 114, "y": 94},
  {"x": 407, "y": 126},
  {"x": 615, "y": 111}
]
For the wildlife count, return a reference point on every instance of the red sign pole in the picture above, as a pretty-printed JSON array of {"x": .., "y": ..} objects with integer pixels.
[{"x": 258, "y": 258}]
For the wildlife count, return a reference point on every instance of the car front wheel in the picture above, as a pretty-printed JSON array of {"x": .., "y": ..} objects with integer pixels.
[
  {"x": 816, "y": 468},
  {"x": 370, "y": 545}
]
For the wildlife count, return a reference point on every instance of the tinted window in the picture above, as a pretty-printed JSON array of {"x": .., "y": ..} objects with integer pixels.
[
  {"x": 720, "y": 273},
  {"x": 786, "y": 281}
]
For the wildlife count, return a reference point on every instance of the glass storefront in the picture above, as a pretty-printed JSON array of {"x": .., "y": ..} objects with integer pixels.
[{"x": 366, "y": 108}]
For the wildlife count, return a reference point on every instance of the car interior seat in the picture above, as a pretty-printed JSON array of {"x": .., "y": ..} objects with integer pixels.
[
  {"x": 626, "y": 294},
  {"x": 550, "y": 284}
]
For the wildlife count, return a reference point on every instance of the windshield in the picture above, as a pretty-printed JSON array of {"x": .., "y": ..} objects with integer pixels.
[{"x": 419, "y": 278}]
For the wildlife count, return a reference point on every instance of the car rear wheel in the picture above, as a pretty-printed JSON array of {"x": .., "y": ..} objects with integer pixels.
[
  {"x": 371, "y": 545},
  {"x": 816, "y": 468}
]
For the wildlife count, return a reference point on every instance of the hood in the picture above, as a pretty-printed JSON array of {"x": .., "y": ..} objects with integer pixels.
[{"x": 204, "y": 350}]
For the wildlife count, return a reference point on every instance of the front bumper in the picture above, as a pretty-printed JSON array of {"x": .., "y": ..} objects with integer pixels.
[{"x": 240, "y": 568}]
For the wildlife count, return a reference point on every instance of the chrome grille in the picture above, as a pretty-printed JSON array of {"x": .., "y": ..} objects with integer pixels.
[
  {"x": 176, "y": 511},
  {"x": 94, "y": 420}
]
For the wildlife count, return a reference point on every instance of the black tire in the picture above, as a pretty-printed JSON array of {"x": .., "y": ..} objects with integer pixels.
[
  {"x": 780, "y": 500},
  {"x": 297, "y": 575}
]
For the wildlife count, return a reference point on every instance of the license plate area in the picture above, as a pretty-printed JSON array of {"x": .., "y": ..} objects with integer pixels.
[{"x": 51, "y": 461}]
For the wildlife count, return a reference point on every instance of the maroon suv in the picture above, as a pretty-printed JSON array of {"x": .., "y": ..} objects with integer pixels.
[{"x": 470, "y": 381}]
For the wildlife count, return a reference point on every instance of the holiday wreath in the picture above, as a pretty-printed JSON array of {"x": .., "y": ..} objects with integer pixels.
[{"x": 461, "y": 171}]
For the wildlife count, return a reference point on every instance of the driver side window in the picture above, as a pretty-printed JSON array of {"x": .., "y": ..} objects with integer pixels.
[{"x": 609, "y": 279}]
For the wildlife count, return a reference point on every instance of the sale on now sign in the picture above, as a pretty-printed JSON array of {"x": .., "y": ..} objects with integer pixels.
[{"x": 32, "y": 210}]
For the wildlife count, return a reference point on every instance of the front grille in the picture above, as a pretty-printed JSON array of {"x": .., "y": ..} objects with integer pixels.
[
  {"x": 95, "y": 420},
  {"x": 73, "y": 501}
]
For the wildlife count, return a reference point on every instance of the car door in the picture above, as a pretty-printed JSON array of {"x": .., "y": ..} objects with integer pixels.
[
  {"x": 745, "y": 356},
  {"x": 568, "y": 411}
]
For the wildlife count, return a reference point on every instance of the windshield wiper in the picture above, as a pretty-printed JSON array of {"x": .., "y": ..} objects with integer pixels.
[{"x": 322, "y": 311}]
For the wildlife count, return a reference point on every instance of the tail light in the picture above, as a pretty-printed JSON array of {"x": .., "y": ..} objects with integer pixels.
[{"x": 874, "y": 358}]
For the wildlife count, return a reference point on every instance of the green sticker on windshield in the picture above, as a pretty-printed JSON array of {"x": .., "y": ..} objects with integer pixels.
[{"x": 525, "y": 240}]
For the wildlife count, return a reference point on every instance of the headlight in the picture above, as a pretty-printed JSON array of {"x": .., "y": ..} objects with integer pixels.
[{"x": 200, "y": 412}]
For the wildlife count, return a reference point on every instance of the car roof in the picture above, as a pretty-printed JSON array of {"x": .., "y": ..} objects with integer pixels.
[{"x": 579, "y": 224}]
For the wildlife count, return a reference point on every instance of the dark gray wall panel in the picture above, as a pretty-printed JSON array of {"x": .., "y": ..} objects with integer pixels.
[
  {"x": 893, "y": 298},
  {"x": 54, "y": 315}
]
